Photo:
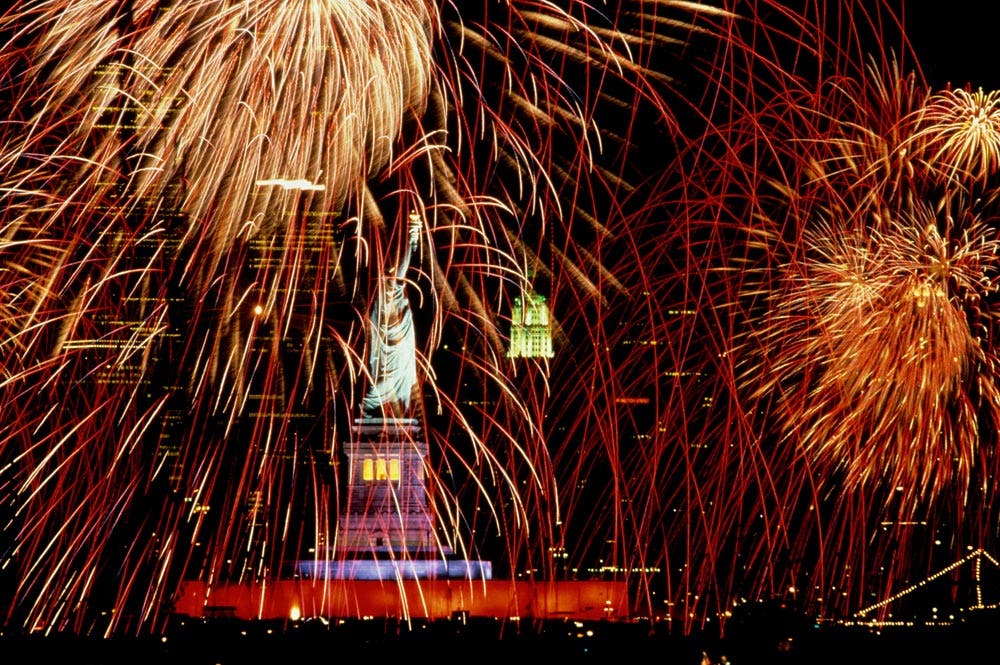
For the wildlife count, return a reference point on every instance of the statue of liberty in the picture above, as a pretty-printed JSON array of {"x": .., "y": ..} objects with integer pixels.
[{"x": 392, "y": 348}]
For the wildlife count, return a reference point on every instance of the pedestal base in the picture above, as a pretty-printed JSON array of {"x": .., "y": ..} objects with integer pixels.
[
  {"x": 387, "y": 507},
  {"x": 394, "y": 569}
]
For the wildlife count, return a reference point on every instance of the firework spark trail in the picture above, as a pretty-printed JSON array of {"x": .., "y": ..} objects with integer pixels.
[
  {"x": 201, "y": 195},
  {"x": 832, "y": 258}
]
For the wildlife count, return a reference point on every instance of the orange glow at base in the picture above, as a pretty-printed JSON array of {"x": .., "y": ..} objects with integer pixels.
[{"x": 405, "y": 599}]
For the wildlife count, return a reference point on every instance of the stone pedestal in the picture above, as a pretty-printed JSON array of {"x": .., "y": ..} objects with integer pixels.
[
  {"x": 387, "y": 528},
  {"x": 387, "y": 511}
]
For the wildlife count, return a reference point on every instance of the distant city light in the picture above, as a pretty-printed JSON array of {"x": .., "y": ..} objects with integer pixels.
[{"x": 299, "y": 184}]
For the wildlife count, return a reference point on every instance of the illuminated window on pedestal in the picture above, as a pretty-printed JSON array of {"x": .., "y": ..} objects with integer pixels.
[{"x": 379, "y": 468}]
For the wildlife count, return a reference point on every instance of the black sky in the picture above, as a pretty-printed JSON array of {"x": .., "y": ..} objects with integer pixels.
[{"x": 956, "y": 41}]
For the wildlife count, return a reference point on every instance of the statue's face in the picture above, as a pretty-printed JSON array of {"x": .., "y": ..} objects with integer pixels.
[{"x": 393, "y": 289}]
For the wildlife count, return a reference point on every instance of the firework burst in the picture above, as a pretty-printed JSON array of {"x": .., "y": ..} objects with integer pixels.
[
  {"x": 957, "y": 134},
  {"x": 201, "y": 197},
  {"x": 834, "y": 256}
]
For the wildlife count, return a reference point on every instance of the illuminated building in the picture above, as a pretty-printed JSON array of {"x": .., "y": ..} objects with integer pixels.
[{"x": 530, "y": 327}]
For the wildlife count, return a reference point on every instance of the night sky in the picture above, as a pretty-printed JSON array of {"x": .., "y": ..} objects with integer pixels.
[{"x": 956, "y": 42}]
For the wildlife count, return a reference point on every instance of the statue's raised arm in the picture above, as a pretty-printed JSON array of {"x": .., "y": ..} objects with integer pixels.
[
  {"x": 413, "y": 244},
  {"x": 392, "y": 349}
]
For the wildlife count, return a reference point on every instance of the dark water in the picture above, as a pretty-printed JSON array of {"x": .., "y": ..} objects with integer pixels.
[{"x": 561, "y": 643}]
